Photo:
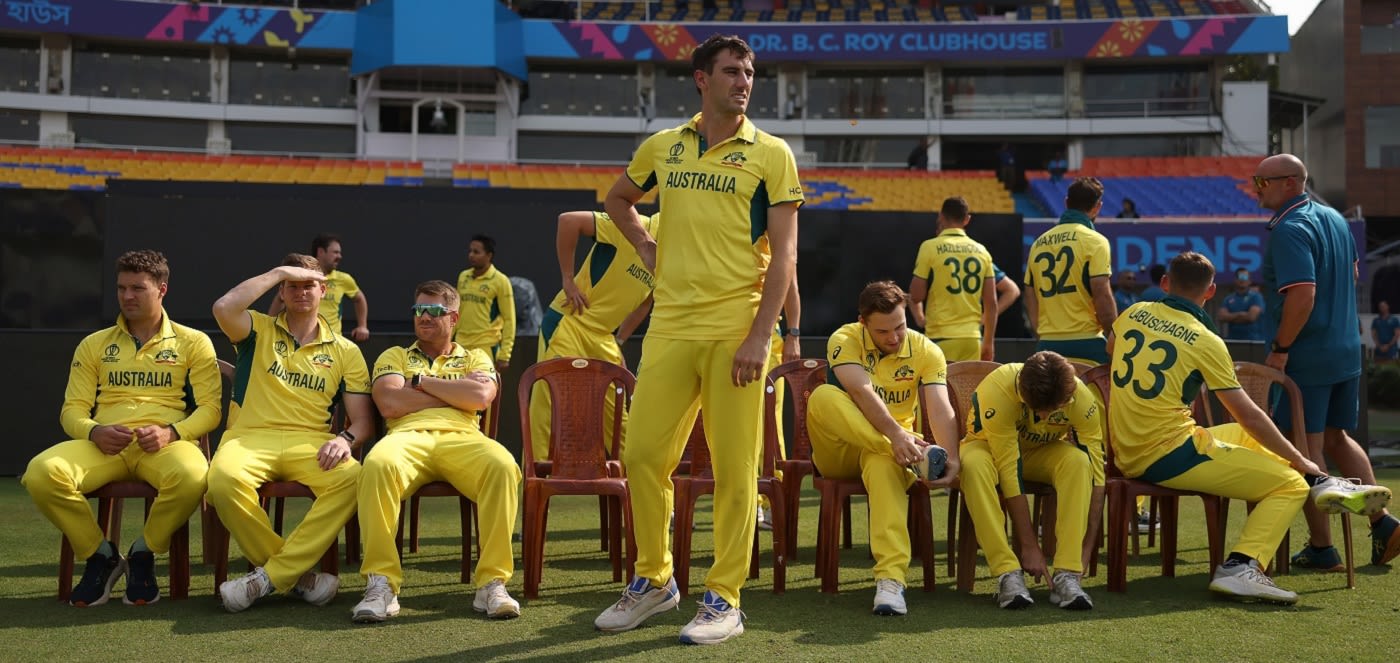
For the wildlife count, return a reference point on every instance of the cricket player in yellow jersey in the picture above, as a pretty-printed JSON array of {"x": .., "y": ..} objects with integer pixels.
[
  {"x": 339, "y": 287},
  {"x": 487, "y": 319},
  {"x": 1165, "y": 351},
  {"x": 954, "y": 274},
  {"x": 1034, "y": 421},
  {"x": 598, "y": 308},
  {"x": 139, "y": 394},
  {"x": 728, "y": 189},
  {"x": 291, "y": 372},
  {"x": 862, "y": 425},
  {"x": 432, "y": 393},
  {"x": 1068, "y": 297}
]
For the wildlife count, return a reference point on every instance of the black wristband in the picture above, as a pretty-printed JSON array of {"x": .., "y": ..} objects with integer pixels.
[
  {"x": 349, "y": 437},
  {"x": 1279, "y": 349},
  {"x": 173, "y": 431},
  {"x": 417, "y": 382}
]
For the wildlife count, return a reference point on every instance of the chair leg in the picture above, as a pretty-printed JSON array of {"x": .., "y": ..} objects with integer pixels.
[
  {"x": 792, "y": 495},
  {"x": 413, "y": 524},
  {"x": 846, "y": 522},
  {"x": 535, "y": 504},
  {"x": 464, "y": 508},
  {"x": 398, "y": 534},
  {"x": 1346, "y": 543},
  {"x": 179, "y": 563},
  {"x": 952, "y": 536},
  {"x": 828, "y": 553},
  {"x": 615, "y": 552},
  {"x": 1049, "y": 509},
  {"x": 603, "y": 523},
  {"x": 65, "y": 569},
  {"x": 1169, "y": 508},
  {"x": 967, "y": 549},
  {"x": 280, "y": 504},
  {"x": 922, "y": 510},
  {"x": 1154, "y": 506},
  {"x": 1215, "y": 530},
  {"x": 330, "y": 562},
  {"x": 1118, "y": 501},
  {"x": 206, "y": 532},
  {"x": 221, "y": 546},
  {"x": 779, "y": 512},
  {"x": 680, "y": 538},
  {"x": 352, "y": 539}
]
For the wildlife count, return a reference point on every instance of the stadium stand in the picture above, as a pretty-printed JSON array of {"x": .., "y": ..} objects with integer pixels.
[
  {"x": 1161, "y": 186},
  {"x": 898, "y": 11},
  {"x": 90, "y": 169}
]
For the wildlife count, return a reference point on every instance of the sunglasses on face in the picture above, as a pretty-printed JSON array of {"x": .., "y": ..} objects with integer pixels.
[
  {"x": 1263, "y": 182},
  {"x": 435, "y": 310}
]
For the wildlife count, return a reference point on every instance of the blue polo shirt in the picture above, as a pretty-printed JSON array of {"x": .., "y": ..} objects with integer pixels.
[
  {"x": 1245, "y": 331},
  {"x": 1310, "y": 243},
  {"x": 1124, "y": 299},
  {"x": 1153, "y": 293},
  {"x": 1385, "y": 329}
]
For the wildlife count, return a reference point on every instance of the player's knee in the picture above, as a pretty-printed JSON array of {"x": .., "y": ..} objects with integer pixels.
[
  {"x": 44, "y": 475},
  {"x": 187, "y": 482},
  {"x": 1295, "y": 489}
]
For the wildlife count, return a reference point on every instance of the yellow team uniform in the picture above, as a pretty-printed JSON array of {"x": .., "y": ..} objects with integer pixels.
[
  {"x": 1163, "y": 353},
  {"x": 173, "y": 379},
  {"x": 845, "y": 445},
  {"x": 1007, "y": 442},
  {"x": 616, "y": 282},
  {"x": 437, "y": 444},
  {"x": 956, "y": 268},
  {"x": 487, "y": 313},
  {"x": 284, "y": 395},
  {"x": 339, "y": 286},
  {"x": 1058, "y": 269},
  {"x": 711, "y": 260}
]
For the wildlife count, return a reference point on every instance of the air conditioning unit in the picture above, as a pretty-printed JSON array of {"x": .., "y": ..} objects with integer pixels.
[
  {"x": 218, "y": 147},
  {"x": 60, "y": 139}
]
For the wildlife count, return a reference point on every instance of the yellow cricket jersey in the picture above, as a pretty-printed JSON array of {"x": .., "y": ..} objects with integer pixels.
[
  {"x": 1002, "y": 420},
  {"x": 710, "y": 262},
  {"x": 612, "y": 277},
  {"x": 487, "y": 313},
  {"x": 455, "y": 365},
  {"x": 1163, "y": 353},
  {"x": 897, "y": 377},
  {"x": 115, "y": 381},
  {"x": 956, "y": 268},
  {"x": 1058, "y": 269},
  {"x": 339, "y": 286},
  {"x": 282, "y": 385}
]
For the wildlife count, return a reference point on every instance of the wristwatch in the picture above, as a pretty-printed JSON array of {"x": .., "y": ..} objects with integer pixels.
[
  {"x": 794, "y": 331},
  {"x": 1279, "y": 349},
  {"x": 349, "y": 437},
  {"x": 417, "y": 382}
]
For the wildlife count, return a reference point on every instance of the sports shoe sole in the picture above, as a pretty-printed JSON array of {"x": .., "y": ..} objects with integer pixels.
[
  {"x": 1017, "y": 602},
  {"x": 1078, "y": 603},
  {"x": 368, "y": 616},
  {"x": 107, "y": 591},
  {"x": 128, "y": 601},
  {"x": 508, "y": 613},
  {"x": 888, "y": 611},
  {"x": 1364, "y": 503},
  {"x": 738, "y": 631},
  {"x": 1251, "y": 598},
  {"x": 670, "y": 603}
]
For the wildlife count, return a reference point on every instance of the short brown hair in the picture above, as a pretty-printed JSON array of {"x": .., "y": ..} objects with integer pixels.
[
  {"x": 302, "y": 260},
  {"x": 145, "y": 261},
  {"x": 1047, "y": 381},
  {"x": 704, "y": 55},
  {"x": 441, "y": 289},
  {"x": 1084, "y": 193},
  {"x": 955, "y": 209},
  {"x": 880, "y": 297},
  {"x": 1190, "y": 273}
]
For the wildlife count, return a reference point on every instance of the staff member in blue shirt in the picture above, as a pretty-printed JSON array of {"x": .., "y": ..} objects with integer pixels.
[
  {"x": 1309, "y": 284},
  {"x": 1124, "y": 296},
  {"x": 1241, "y": 310},
  {"x": 1383, "y": 332}
]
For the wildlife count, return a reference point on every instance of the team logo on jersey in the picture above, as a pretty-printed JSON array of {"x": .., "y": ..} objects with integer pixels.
[
  {"x": 322, "y": 361},
  {"x": 904, "y": 373},
  {"x": 676, "y": 151},
  {"x": 167, "y": 356},
  {"x": 111, "y": 354},
  {"x": 1058, "y": 418},
  {"x": 870, "y": 362},
  {"x": 414, "y": 361},
  {"x": 989, "y": 413},
  {"x": 485, "y": 288},
  {"x": 456, "y": 363},
  {"x": 734, "y": 159},
  {"x": 280, "y": 347}
]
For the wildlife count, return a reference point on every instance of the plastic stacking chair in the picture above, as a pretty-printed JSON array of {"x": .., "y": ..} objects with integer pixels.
[
  {"x": 1122, "y": 506},
  {"x": 802, "y": 376},
  {"x": 109, "y": 518},
  {"x": 1258, "y": 381},
  {"x": 579, "y": 454}
]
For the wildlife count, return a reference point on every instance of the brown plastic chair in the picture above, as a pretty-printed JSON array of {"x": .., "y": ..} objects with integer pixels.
[
  {"x": 579, "y": 454},
  {"x": 267, "y": 494},
  {"x": 699, "y": 479},
  {"x": 109, "y": 518},
  {"x": 1122, "y": 505},
  {"x": 834, "y": 517},
  {"x": 1257, "y": 381},
  {"x": 803, "y": 376}
]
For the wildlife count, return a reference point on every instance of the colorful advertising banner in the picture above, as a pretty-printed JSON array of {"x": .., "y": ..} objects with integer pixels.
[{"x": 1230, "y": 245}]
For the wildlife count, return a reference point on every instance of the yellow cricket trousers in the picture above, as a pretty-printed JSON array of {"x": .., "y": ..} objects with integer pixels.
[
  {"x": 675, "y": 379},
  {"x": 960, "y": 349},
  {"x": 246, "y": 460},
  {"x": 1224, "y": 460},
  {"x": 478, "y": 467},
  {"x": 1059, "y": 464},
  {"x": 569, "y": 340},
  {"x": 846, "y": 446},
  {"x": 58, "y": 478}
]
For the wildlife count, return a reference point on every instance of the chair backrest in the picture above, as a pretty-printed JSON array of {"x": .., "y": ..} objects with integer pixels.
[
  {"x": 1258, "y": 382},
  {"x": 803, "y": 376},
  {"x": 963, "y": 378},
  {"x": 578, "y": 389},
  {"x": 225, "y": 398}
]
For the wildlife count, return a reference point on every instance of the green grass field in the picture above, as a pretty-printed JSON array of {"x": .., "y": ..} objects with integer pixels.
[{"x": 1159, "y": 618}]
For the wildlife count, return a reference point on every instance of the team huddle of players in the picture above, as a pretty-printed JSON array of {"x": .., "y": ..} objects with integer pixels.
[{"x": 143, "y": 391}]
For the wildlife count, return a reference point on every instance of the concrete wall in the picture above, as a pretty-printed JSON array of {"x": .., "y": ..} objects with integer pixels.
[{"x": 1312, "y": 68}]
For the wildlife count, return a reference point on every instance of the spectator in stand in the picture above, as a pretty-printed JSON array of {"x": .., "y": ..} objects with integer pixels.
[
  {"x": 1154, "y": 292},
  {"x": 918, "y": 158},
  {"x": 1058, "y": 166},
  {"x": 1129, "y": 210},
  {"x": 1384, "y": 332},
  {"x": 1124, "y": 295},
  {"x": 1006, "y": 165}
]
